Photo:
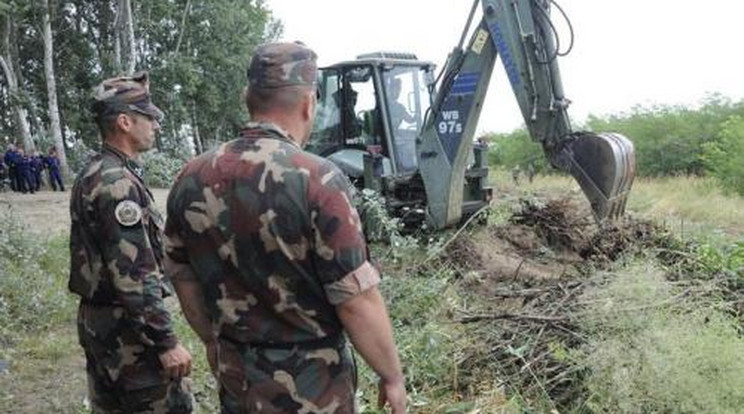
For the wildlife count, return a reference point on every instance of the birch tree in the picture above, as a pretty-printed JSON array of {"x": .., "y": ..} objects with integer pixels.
[
  {"x": 51, "y": 83},
  {"x": 9, "y": 70},
  {"x": 117, "y": 37},
  {"x": 129, "y": 30},
  {"x": 124, "y": 35}
]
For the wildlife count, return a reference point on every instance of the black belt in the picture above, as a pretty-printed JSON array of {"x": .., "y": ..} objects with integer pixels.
[{"x": 331, "y": 341}]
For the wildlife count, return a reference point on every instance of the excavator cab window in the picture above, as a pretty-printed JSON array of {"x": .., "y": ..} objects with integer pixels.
[
  {"x": 327, "y": 132},
  {"x": 347, "y": 115},
  {"x": 407, "y": 99}
]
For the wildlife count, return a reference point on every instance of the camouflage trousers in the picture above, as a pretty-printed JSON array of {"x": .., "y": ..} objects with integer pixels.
[
  {"x": 124, "y": 376},
  {"x": 283, "y": 381}
]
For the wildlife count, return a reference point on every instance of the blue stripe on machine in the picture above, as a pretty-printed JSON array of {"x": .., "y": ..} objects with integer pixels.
[
  {"x": 465, "y": 83},
  {"x": 512, "y": 71}
]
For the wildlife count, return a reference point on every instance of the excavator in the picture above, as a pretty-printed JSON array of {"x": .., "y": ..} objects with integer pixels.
[{"x": 393, "y": 126}]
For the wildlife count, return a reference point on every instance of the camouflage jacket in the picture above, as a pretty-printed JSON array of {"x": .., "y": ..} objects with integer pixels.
[
  {"x": 116, "y": 245},
  {"x": 271, "y": 235}
]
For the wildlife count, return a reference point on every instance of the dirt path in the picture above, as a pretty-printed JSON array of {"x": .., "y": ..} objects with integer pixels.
[{"x": 47, "y": 212}]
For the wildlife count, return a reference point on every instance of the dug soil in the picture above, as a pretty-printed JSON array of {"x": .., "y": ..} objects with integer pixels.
[{"x": 528, "y": 274}]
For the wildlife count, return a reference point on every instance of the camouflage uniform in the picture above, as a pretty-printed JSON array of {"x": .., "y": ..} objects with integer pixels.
[
  {"x": 272, "y": 238},
  {"x": 116, "y": 268}
]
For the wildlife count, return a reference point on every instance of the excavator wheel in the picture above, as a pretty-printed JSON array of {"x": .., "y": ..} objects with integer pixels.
[{"x": 604, "y": 166}]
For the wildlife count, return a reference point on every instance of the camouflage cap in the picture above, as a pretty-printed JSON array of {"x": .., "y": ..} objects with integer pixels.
[
  {"x": 276, "y": 65},
  {"x": 125, "y": 93}
]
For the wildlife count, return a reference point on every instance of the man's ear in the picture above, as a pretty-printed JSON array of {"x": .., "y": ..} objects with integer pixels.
[
  {"x": 124, "y": 122},
  {"x": 307, "y": 107}
]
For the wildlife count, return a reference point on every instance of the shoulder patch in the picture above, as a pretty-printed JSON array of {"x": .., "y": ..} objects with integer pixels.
[{"x": 128, "y": 213}]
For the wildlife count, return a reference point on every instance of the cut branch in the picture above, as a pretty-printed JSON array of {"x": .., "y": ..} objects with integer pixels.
[{"x": 512, "y": 316}]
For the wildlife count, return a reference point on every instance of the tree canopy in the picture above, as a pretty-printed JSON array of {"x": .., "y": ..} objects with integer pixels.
[
  {"x": 195, "y": 50},
  {"x": 669, "y": 140}
]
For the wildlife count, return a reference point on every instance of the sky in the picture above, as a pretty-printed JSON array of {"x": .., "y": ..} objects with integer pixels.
[{"x": 626, "y": 52}]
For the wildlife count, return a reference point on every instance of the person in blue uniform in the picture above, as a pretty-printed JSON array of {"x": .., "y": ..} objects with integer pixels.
[
  {"x": 37, "y": 166},
  {"x": 11, "y": 162},
  {"x": 52, "y": 165},
  {"x": 25, "y": 172}
]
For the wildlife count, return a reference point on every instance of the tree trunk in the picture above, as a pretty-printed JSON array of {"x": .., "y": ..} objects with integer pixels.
[
  {"x": 124, "y": 26},
  {"x": 21, "y": 114},
  {"x": 119, "y": 19},
  {"x": 51, "y": 83},
  {"x": 130, "y": 33},
  {"x": 198, "y": 144},
  {"x": 117, "y": 44},
  {"x": 183, "y": 26}
]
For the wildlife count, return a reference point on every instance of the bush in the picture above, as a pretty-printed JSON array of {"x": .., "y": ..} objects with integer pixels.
[
  {"x": 418, "y": 305},
  {"x": 516, "y": 149},
  {"x": 160, "y": 168},
  {"x": 724, "y": 158},
  {"x": 669, "y": 140},
  {"x": 655, "y": 349},
  {"x": 78, "y": 155}
]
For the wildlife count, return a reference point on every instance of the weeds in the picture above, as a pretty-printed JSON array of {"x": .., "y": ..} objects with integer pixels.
[
  {"x": 431, "y": 348},
  {"x": 33, "y": 280},
  {"x": 655, "y": 348},
  {"x": 204, "y": 385},
  {"x": 37, "y": 340},
  {"x": 381, "y": 227},
  {"x": 534, "y": 324}
]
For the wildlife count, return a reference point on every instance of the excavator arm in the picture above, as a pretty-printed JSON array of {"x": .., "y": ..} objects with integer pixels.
[{"x": 522, "y": 34}]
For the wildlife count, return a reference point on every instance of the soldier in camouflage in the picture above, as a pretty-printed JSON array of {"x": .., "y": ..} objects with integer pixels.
[
  {"x": 135, "y": 363},
  {"x": 268, "y": 258}
]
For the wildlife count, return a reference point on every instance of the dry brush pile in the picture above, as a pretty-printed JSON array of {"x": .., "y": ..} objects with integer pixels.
[{"x": 529, "y": 275}]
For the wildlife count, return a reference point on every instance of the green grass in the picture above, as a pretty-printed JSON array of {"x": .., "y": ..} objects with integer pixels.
[
  {"x": 33, "y": 281},
  {"x": 698, "y": 201},
  {"x": 204, "y": 385},
  {"x": 38, "y": 341},
  {"x": 421, "y": 302},
  {"x": 656, "y": 347}
]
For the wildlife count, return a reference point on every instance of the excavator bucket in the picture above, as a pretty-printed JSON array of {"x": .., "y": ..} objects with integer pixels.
[{"x": 604, "y": 166}]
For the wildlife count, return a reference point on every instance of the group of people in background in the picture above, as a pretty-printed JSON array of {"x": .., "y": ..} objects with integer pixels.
[
  {"x": 23, "y": 172},
  {"x": 517, "y": 173}
]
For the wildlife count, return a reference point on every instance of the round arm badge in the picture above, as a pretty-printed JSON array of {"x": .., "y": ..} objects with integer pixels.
[{"x": 128, "y": 213}]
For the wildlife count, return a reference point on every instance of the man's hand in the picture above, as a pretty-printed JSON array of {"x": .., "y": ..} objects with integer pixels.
[
  {"x": 176, "y": 362},
  {"x": 394, "y": 394}
]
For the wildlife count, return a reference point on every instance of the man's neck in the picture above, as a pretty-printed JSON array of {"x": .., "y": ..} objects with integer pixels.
[
  {"x": 290, "y": 126},
  {"x": 121, "y": 144}
]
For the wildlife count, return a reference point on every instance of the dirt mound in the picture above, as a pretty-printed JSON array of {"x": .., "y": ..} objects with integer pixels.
[
  {"x": 615, "y": 239},
  {"x": 545, "y": 241},
  {"x": 528, "y": 274},
  {"x": 562, "y": 224}
]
